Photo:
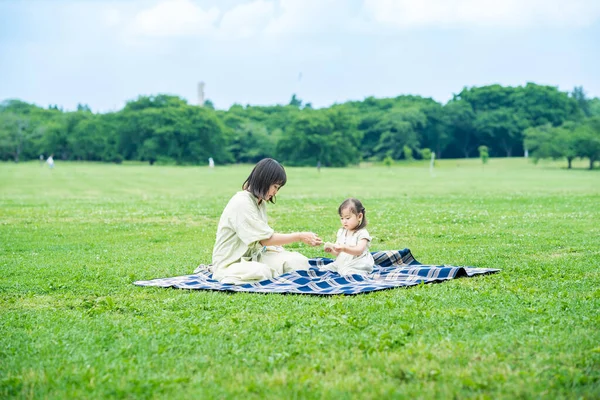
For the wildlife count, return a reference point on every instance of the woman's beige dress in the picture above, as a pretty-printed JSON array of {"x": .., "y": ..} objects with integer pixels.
[{"x": 238, "y": 257}]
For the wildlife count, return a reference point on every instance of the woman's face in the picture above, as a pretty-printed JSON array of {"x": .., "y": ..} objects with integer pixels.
[{"x": 273, "y": 189}]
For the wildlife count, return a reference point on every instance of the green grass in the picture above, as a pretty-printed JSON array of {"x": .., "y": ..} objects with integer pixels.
[{"x": 72, "y": 325}]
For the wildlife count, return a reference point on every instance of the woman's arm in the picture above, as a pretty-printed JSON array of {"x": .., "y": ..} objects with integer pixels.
[
  {"x": 353, "y": 250},
  {"x": 279, "y": 239}
]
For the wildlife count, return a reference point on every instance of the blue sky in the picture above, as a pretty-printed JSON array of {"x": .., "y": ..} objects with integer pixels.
[{"x": 105, "y": 52}]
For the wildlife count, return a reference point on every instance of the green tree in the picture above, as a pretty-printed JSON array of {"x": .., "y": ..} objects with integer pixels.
[
  {"x": 546, "y": 141},
  {"x": 408, "y": 153},
  {"x": 539, "y": 105},
  {"x": 483, "y": 154},
  {"x": 501, "y": 126},
  {"x": 87, "y": 140},
  {"x": 295, "y": 101},
  {"x": 167, "y": 128},
  {"x": 436, "y": 131},
  {"x": 399, "y": 128},
  {"x": 461, "y": 121},
  {"x": 594, "y": 107},
  {"x": 388, "y": 161},
  {"x": 426, "y": 153},
  {"x": 14, "y": 130},
  {"x": 579, "y": 95},
  {"x": 21, "y": 129},
  {"x": 327, "y": 136},
  {"x": 251, "y": 143},
  {"x": 588, "y": 140}
]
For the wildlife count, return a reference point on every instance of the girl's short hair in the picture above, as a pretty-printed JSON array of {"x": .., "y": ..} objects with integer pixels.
[
  {"x": 266, "y": 172},
  {"x": 355, "y": 207}
]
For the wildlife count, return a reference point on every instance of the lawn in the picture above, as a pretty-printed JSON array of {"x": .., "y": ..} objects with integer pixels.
[{"x": 72, "y": 324}]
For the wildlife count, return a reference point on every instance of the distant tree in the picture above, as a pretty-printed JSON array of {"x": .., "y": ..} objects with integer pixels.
[
  {"x": 388, "y": 161},
  {"x": 55, "y": 137},
  {"x": 570, "y": 140},
  {"x": 588, "y": 140},
  {"x": 546, "y": 141},
  {"x": 329, "y": 136},
  {"x": 14, "y": 130},
  {"x": 83, "y": 108},
  {"x": 295, "y": 102},
  {"x": 398, "y": 128},
  {"x": 150, "y": 150},
  {"x": 166, "y": 128},
  {"x": 579, "y": 95},
  {"x": 209, "y": 104},
  {"x": 502, "y": 126},
  {"x": 408, "y": 153},
  {"x": 425, "y": 153},
  {"x": 539, "y": 105},
  {"x": 461, "y": 125},
  {"x": 158, "y": 101},
  {"x": 486, "y": 98},
  {"x": 594, "y": 107},
  {"x": 251, "y": 143},
  {"x": 483, "y": 154},
  {"x": 436, "y": 132},
  {"x": 87, "y": 139}
]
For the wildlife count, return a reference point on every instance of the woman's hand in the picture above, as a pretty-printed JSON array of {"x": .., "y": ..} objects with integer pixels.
[{"x": 310, "y": 238}]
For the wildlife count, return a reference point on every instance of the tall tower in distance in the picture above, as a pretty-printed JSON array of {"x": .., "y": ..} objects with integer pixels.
[{"x": 201, "y": 94}]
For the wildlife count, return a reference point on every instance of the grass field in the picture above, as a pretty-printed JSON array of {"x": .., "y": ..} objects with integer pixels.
[{"x": 72, "y": 325}]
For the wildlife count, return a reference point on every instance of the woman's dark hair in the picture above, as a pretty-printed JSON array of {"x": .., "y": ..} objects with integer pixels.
[
  {"x": 355, "y": 207},
  {"x": 266, "y": 172}
]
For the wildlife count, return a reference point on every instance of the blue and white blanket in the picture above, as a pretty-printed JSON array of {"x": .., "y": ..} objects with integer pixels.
[{"x": 393, "y": 268}]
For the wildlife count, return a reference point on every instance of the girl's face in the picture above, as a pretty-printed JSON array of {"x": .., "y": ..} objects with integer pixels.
[
  {"x": 350, "y": 220},
  {"x": 273, "y": 189}
]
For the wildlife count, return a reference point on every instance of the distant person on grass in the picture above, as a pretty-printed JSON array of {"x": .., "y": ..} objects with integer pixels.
[
  {"x": 50, "y": 161},
  {"x": 351, "y": 247},
  {"x": 247, "y": 249}
]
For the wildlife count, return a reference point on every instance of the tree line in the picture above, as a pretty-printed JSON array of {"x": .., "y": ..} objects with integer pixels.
[{"x": 509, "y": 121}]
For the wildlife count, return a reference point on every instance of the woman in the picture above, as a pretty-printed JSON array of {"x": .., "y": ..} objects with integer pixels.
[{"x": 246, "y": 248}]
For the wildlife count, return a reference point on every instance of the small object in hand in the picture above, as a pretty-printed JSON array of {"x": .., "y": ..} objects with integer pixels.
[{"x": 328, "y": 246}]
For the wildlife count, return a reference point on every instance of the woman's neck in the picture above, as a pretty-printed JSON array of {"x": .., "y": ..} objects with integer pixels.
[{"x": 258, "y": 199}]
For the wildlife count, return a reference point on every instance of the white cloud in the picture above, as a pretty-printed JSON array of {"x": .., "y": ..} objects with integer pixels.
[
  {"x": 499, "y": 13},
  {"x": 274, "y": 18},
  {"x": 175, "y": 18},
  {"x": 111, "y": 17},
  {"x": 312, "y": 16},
  {"x": 247, "y": 19},
  {"x": 268, "y": 17}
]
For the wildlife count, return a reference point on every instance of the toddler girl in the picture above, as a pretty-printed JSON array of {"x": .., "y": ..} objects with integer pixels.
[{"x": 352, "y": 245}]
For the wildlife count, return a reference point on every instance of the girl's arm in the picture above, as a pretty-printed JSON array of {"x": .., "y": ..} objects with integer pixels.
[
  {"x": 279, "y": 239},
  {"x": 353, "y": 250}
]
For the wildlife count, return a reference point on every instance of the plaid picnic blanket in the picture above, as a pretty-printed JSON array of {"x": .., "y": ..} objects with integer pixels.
[{"x": 396, "y": 268}]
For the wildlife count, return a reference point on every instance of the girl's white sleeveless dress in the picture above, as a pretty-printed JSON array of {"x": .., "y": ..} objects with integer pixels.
[{"x": 347, "y": 264}]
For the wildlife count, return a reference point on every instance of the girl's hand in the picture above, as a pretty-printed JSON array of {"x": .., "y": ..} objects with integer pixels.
[
  {"x": 311, "y": 239},
  {"x": 338, "y": 248},
  {"x": 328, "y": 247}
]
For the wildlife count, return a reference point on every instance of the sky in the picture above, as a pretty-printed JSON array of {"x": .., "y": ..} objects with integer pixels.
[{"x": 104, "y": 53}]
